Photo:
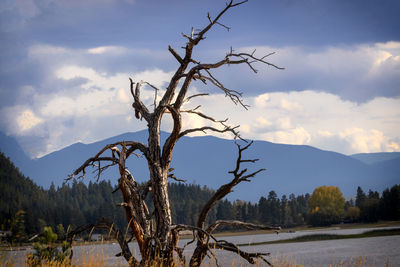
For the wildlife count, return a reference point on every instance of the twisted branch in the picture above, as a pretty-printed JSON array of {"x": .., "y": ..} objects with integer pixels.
[
  {"x": 114, "y": 150},
  {"x": 238, "y": 177},
  {"x": 226, "y": 128}
]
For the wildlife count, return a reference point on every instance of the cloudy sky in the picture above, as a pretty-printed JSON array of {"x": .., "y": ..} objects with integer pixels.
[{"x": 65, "y": 64}]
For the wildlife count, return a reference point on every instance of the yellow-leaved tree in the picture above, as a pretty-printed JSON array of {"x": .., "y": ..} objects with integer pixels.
[{"x": 326, "y": 205}]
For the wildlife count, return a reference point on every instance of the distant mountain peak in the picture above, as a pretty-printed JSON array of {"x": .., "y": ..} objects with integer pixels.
[{"x": 206, "y": 160}]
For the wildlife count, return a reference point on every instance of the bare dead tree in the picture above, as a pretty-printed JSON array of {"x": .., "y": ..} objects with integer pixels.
[{"x": 156, "y": 235}]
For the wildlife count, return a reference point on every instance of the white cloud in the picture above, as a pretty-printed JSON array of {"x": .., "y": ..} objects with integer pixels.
[
  {"x": 261, "y": 100},
  {"x": 72, "y": 72},
  {"x": 285, "y": 104},
  {"x": 107, "y": 49},
  {"x": 392, "y": 46},
  {"x": 19, "y": 120},
  {"x": 392, "y": 147},
  {"x": 95, "y": 79},
  {"x": 123, "y": 96},
  {"x": 263, "y": 122},
  {"x": 296, "y": 136},
  {"x": 284, "y": 123},
  {"x": 324, "y": 133},
  {"x": 98, "y": 108},
  {"x": 27, "y": 120},
  {"x": 40, "y": 50},
  {"x": 245, "y": 129},
  {"x": 358, "y": 72},
  {"x": 324, "y": 121},
  {"x": 95, "y": 96},
  {"x": 365, "y": 141},
  {"x": 88, "y": 102}
]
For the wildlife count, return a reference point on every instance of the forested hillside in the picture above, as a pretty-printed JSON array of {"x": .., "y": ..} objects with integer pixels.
[
  {"x": 26, "y": 208},
  {"x": 18, "y": 193},
  {"x": 74, "y": 204}
]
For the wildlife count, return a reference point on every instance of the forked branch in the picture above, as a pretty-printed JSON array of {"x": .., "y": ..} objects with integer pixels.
[
  {"x": 235, "y": 96},
  {"x": 231, "y": 58},
  {"x": 131, "y": 145},
  {"x": 238, "y": 177},
  {"x": 203, "y": 237},
  {"x": 225, "y": 128},
  {"x": 195, "y": 38}
]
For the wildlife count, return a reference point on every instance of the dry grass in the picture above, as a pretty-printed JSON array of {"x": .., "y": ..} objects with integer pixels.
[
  {"x": 94, "y": 260},
  {"x": 87, "y": 261}
]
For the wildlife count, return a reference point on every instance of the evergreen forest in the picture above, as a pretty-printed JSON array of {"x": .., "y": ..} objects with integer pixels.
[{"x": 25, "y": 208}]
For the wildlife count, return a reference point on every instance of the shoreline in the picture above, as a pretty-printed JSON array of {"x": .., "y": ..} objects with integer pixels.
[
  {"x": 28, "y": 246},
  {"x": 312, "y": 229},
  {"x": 325, "y": 237}
]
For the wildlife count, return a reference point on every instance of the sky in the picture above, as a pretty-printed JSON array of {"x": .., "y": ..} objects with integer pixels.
[{"x": 65, "y": 64}]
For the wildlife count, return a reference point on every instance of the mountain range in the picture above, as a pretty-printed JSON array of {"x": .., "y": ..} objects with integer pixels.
[{"x": 207, "y": 160}]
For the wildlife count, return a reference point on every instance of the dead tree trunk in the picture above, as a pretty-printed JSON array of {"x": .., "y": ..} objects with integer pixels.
[{"x": 158, "y": 238}]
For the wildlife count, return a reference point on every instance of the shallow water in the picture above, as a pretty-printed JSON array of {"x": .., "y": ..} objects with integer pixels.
[{"x": 375, "y": 251}]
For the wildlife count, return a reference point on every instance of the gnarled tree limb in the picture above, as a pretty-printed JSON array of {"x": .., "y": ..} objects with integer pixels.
[{"x": 238, "y": 177}]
